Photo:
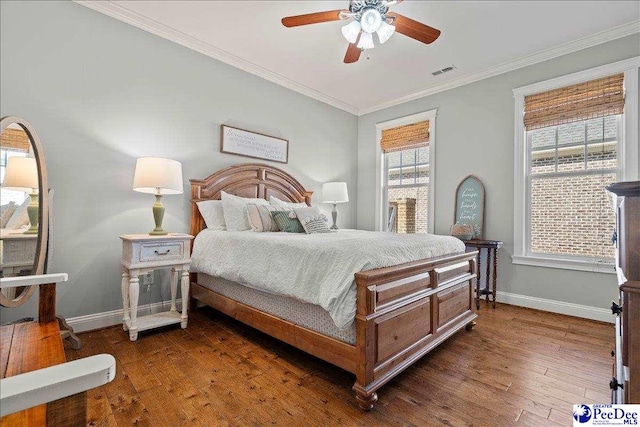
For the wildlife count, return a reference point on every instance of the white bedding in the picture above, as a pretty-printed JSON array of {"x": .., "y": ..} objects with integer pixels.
[{"x": 314, "y": 268}]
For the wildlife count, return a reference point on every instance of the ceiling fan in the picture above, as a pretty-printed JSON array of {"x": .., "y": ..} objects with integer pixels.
[{"x": 369, "y": 16}]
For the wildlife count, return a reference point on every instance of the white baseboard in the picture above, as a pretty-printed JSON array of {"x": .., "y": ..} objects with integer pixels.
[
  {"x": 561, "y": 307},
  {"x": 110, "y": 318},
  {"x": 114, "y": 317}
]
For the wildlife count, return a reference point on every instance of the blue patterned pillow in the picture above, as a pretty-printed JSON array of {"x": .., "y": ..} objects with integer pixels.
[{"x": 287, "y": 221}]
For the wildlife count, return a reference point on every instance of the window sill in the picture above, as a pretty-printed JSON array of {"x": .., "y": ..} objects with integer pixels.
[{"x": 599, "y": 266}]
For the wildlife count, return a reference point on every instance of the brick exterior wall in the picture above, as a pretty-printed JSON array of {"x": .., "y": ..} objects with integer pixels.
[
  {"x": 420, "y": 197},
  {"x": 405, "y": 215},
  {"x": 573, "y": 215}
]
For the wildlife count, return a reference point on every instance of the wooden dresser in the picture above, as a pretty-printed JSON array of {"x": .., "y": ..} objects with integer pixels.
[{"x": 625, "y": 384}]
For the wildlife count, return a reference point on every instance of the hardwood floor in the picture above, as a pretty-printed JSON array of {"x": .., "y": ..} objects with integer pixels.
[{"x": 517, "y": 367}]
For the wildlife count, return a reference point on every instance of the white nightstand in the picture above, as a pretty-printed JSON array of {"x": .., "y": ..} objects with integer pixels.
[{"x": 142, "y": 253}]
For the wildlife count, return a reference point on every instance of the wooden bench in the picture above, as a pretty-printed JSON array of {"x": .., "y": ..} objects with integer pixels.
[
  {"x": 30, "y": 346},
  {"x": 38, "y": 387}
]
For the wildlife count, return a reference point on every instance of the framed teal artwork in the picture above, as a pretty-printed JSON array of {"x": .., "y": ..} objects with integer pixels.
[{"x": 470, "y": 205}]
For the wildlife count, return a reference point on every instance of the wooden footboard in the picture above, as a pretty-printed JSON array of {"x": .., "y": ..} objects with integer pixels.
[{"x": 405, "y": 311}]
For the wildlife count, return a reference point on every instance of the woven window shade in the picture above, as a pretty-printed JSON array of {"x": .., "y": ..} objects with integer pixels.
[
  {"x": 14, "y": 140},
  {"x": 596, "y": 98},
  {"x": 415, "y": 135}
]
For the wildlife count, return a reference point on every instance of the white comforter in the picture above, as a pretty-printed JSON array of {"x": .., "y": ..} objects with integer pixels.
[{"x": 314, "y": 268}]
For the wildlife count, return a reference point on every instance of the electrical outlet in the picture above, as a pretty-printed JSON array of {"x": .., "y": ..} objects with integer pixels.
[{"x": 147, "y": 279}]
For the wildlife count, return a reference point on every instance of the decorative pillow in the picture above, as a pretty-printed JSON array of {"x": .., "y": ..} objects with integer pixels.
[
  {"x": 287, "y": 221},
  {"x": 312, "y": 220},
  {"x": 211, "y": 211},
  {"x": 274, "y": 201},
  {"x": 260, "y": 218},
  {"x": 20, "y": 216},
  {"x": 5, "y": 213},
  {"x": 235, "y": 211}
]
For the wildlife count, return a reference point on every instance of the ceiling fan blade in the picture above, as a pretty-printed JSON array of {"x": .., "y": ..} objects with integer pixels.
[
  {"x": 313, "y": 18},
  {"x": 353, "y": 52},
  {"x": 414, "y": 29}
]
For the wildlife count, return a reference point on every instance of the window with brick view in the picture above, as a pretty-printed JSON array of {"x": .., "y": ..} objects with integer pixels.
[
  {"x": 406, "y": 153},
  {"x": 573, "y": 156}
]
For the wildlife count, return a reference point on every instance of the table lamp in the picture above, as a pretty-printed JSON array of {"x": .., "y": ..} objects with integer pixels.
[
  {"x": 334, "y": 192},
  {"x": 22, "y": 175},
  {"x": 155, "y": 175}
]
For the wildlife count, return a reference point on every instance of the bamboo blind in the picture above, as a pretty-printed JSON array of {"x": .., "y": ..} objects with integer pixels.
[
  {"x": 15, "y": 140},
  {"x": 415, "y": 135},
  {"x": 583, "y": 101}
]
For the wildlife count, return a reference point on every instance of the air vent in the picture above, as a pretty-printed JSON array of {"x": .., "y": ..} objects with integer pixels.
[{"x": 444, "y": 70}]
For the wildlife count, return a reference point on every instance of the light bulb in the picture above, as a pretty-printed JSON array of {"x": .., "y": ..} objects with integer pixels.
[
  {"x": 366, "y": 41},
  {"x": 385, "y": 31},
  {"x": 370, "y": 20},
  {"x": 351, "y": 31}
]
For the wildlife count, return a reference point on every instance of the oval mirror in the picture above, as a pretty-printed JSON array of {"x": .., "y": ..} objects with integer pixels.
[{"x": 24, "y": 207}]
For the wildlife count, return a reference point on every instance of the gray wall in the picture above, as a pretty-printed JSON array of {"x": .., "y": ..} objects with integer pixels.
[
  {"x": 102, "y": 93},
  {"x": 475, "y": 135}
]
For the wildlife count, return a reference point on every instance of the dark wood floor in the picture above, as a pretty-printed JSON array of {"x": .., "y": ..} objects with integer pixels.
[{"x": 517, "y": 367}]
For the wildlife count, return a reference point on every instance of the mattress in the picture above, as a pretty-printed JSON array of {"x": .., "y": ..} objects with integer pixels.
[
  {"x": 314, "y": 268},
  {"x": 303, "y": 314}
]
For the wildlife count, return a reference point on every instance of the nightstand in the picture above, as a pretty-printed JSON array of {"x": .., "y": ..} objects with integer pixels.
[
  {"x": 492, "y": 247},
  {"x": 142, "y": 253}
]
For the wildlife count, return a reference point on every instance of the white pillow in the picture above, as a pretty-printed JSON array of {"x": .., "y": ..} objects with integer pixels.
[
  {"x": 312, "y": 220},
  {"x": 6, "y": 211},
  {"x": 20, "y": 217},
  {"x": 213, "y": 214},
  {"x": 235, "y": 211},
  {"x": 274, "y": 201}
]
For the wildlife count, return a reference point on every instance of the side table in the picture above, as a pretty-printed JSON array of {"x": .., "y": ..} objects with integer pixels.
[
  {"x": 142, "y": 253},
  {"x": 491, "y": 247}
]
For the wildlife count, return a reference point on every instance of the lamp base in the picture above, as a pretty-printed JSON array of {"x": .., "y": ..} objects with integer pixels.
[
  {"x": 158, "y": 214},
  {"x": 334, "y": 216},
  {"x": 33, "y": 210}
]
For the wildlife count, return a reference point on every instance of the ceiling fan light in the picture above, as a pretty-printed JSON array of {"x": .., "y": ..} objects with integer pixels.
[
  {"x": 385, "y": 32},
  {"x": 351, "y": 31},
  {"x": 366, "y": 41},
  {"x": 370, "y": 20}
]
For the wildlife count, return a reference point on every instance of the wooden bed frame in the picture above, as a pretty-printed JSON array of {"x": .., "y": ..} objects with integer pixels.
[{"x": 402, "y": 313}]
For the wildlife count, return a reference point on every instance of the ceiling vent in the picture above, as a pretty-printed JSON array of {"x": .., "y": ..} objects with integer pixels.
[{"x": 444, "y": 70}]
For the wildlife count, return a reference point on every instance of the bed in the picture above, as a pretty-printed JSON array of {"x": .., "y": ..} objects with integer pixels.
[{"x": 401, "y": 311}]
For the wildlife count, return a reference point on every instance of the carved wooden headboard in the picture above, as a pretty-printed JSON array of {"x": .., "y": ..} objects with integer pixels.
[{"x": 253, "y": 180}]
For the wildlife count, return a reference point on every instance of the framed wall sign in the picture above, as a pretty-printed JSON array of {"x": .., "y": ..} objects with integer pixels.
[
  {"x": 251, "y": 144},
  {"x": 470, "y": 205}
]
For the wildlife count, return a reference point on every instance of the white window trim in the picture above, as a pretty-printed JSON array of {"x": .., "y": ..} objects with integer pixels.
[
  {"x": 381, "y": 214},
  {"x": 629, "y": 158}
]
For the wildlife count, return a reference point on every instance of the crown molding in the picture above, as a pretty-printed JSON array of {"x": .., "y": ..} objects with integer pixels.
[
  {"x": 544, "y": 55},
  {"x": 125, "y": 15}
]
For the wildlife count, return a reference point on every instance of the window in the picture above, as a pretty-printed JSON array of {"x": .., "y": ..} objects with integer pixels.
[
  {"x": 406, "y": 150},
  {"x": 569, "y": 167},
  {"x": 407, "y": 190},
  {"x": 574, "y": 137}
]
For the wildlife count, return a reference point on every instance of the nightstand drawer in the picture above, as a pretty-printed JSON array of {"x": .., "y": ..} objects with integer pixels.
[{"x": 161, "y": 251}]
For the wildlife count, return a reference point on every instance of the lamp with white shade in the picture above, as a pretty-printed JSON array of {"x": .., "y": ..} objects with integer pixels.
[
  {"x": 335, "y": 192},
  {"x": 158, "y": 176},
  {"x": 22, "y": 175}
]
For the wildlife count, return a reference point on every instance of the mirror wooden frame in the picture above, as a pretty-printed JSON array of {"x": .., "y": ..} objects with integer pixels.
[{"x": 43, "y": 211}]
